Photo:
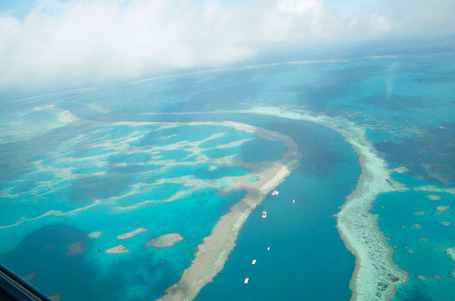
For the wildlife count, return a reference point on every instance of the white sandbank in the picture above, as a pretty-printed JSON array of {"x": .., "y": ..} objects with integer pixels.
[
  {"x": 375, "y": 276},
  {"x": 433, "y": 197},
  {"x": 94, "y": 234},
  {"x": 433, "y": 188},
  {"x": 131, "y": 234},
  {"x": 443, "y": 207},
  {"x": 165, "y": 241},
  {"x": 117, "y": 250},
  {"x": 64, "y": 116},
  {"x": 451, "y": 253},
  {"x": 213, "y": 252},
  {"x": 401, "y": 169}
]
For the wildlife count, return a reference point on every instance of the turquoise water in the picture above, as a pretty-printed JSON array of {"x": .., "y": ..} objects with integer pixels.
[
  {"x": 414, "y": 225},
  {"x": 222, "y": 152},
  {"x": 259, "y": 150},
  {"x": 81, "y": 187},
  {"x": 229, "y": 136},
  {"x": 177, "y": 154},
  {"x": 176, "y": 134},
  {"x": 253, "y": 179},
  {"x": 118, "y": 176},
  {"x": 92, "y": 272}
]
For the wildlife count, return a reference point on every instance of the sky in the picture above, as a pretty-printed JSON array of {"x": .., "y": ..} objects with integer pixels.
[{"x": 75, "y": 42}]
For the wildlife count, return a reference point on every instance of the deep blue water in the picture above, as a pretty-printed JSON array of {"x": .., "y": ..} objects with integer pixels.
[{"x": 304, "y": 243}]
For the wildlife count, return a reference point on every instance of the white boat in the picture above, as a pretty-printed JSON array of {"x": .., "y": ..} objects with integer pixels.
[
  {"x": 254, "y": 261},
  {"x": 275, "y": 192},
  {"x": 246, "y": 280},
  {"x": 264, "y": 214}
]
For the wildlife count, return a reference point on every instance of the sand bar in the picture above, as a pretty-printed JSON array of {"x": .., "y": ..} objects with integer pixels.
[
  {"x": 131, "y": 234},
  {"x": 433, "y": 188},
  {"x": 443, "y": 208},
  {"x": 451, "y": 253},
  {"x": 94, "y": 234},
  {"x": 213, "y": 252},
  {"x": 117, "y": 250},
  {"x": 433, "y": 197},
  {"x": 165, "y": 241}
]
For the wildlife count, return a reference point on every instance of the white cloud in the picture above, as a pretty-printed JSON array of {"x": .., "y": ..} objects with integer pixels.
[
  {"x": 96, "y": 40},
  {"x": 297, "y": 6}
]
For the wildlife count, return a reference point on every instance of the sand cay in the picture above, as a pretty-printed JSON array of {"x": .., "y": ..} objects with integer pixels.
[
  {"x": 165, "y": 241},
  {"x": 375, "y": 276},
  {"x": 433, "y": 197},
  {"x": 131, "y": 234},
  {"x": 214, "y": 251},
  {"x": 117, "y": 250},
  {"x": 94, "y": 234}
]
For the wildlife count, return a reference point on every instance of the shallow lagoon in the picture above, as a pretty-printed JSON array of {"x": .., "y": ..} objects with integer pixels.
[{"x": 129, "y": 190}]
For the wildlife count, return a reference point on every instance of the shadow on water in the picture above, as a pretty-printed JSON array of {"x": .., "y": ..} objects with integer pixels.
[{"x": 54, "y": 259}]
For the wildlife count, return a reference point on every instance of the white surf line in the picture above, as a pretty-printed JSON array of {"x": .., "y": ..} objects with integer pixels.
[
  {"x": 80, "y": 90},
  {"x": 257, "y": 66},
  {"x": 375, "y": 276}
]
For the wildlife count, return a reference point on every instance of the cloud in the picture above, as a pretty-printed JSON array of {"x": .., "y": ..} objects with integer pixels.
[{"x": 81, "y": 41}]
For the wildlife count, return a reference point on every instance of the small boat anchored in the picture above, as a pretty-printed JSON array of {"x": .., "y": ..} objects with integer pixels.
[
  {"x": 276, "y": 192},
  {"x": 264, "y": 214}
]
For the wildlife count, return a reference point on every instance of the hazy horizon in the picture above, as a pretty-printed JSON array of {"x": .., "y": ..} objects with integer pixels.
[{"x": 48, "y": 44}]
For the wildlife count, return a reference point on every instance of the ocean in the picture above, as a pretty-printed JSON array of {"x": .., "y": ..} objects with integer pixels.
[
  {"x": 94, "y": 183},
  {"x": 304, "y": 243}
]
